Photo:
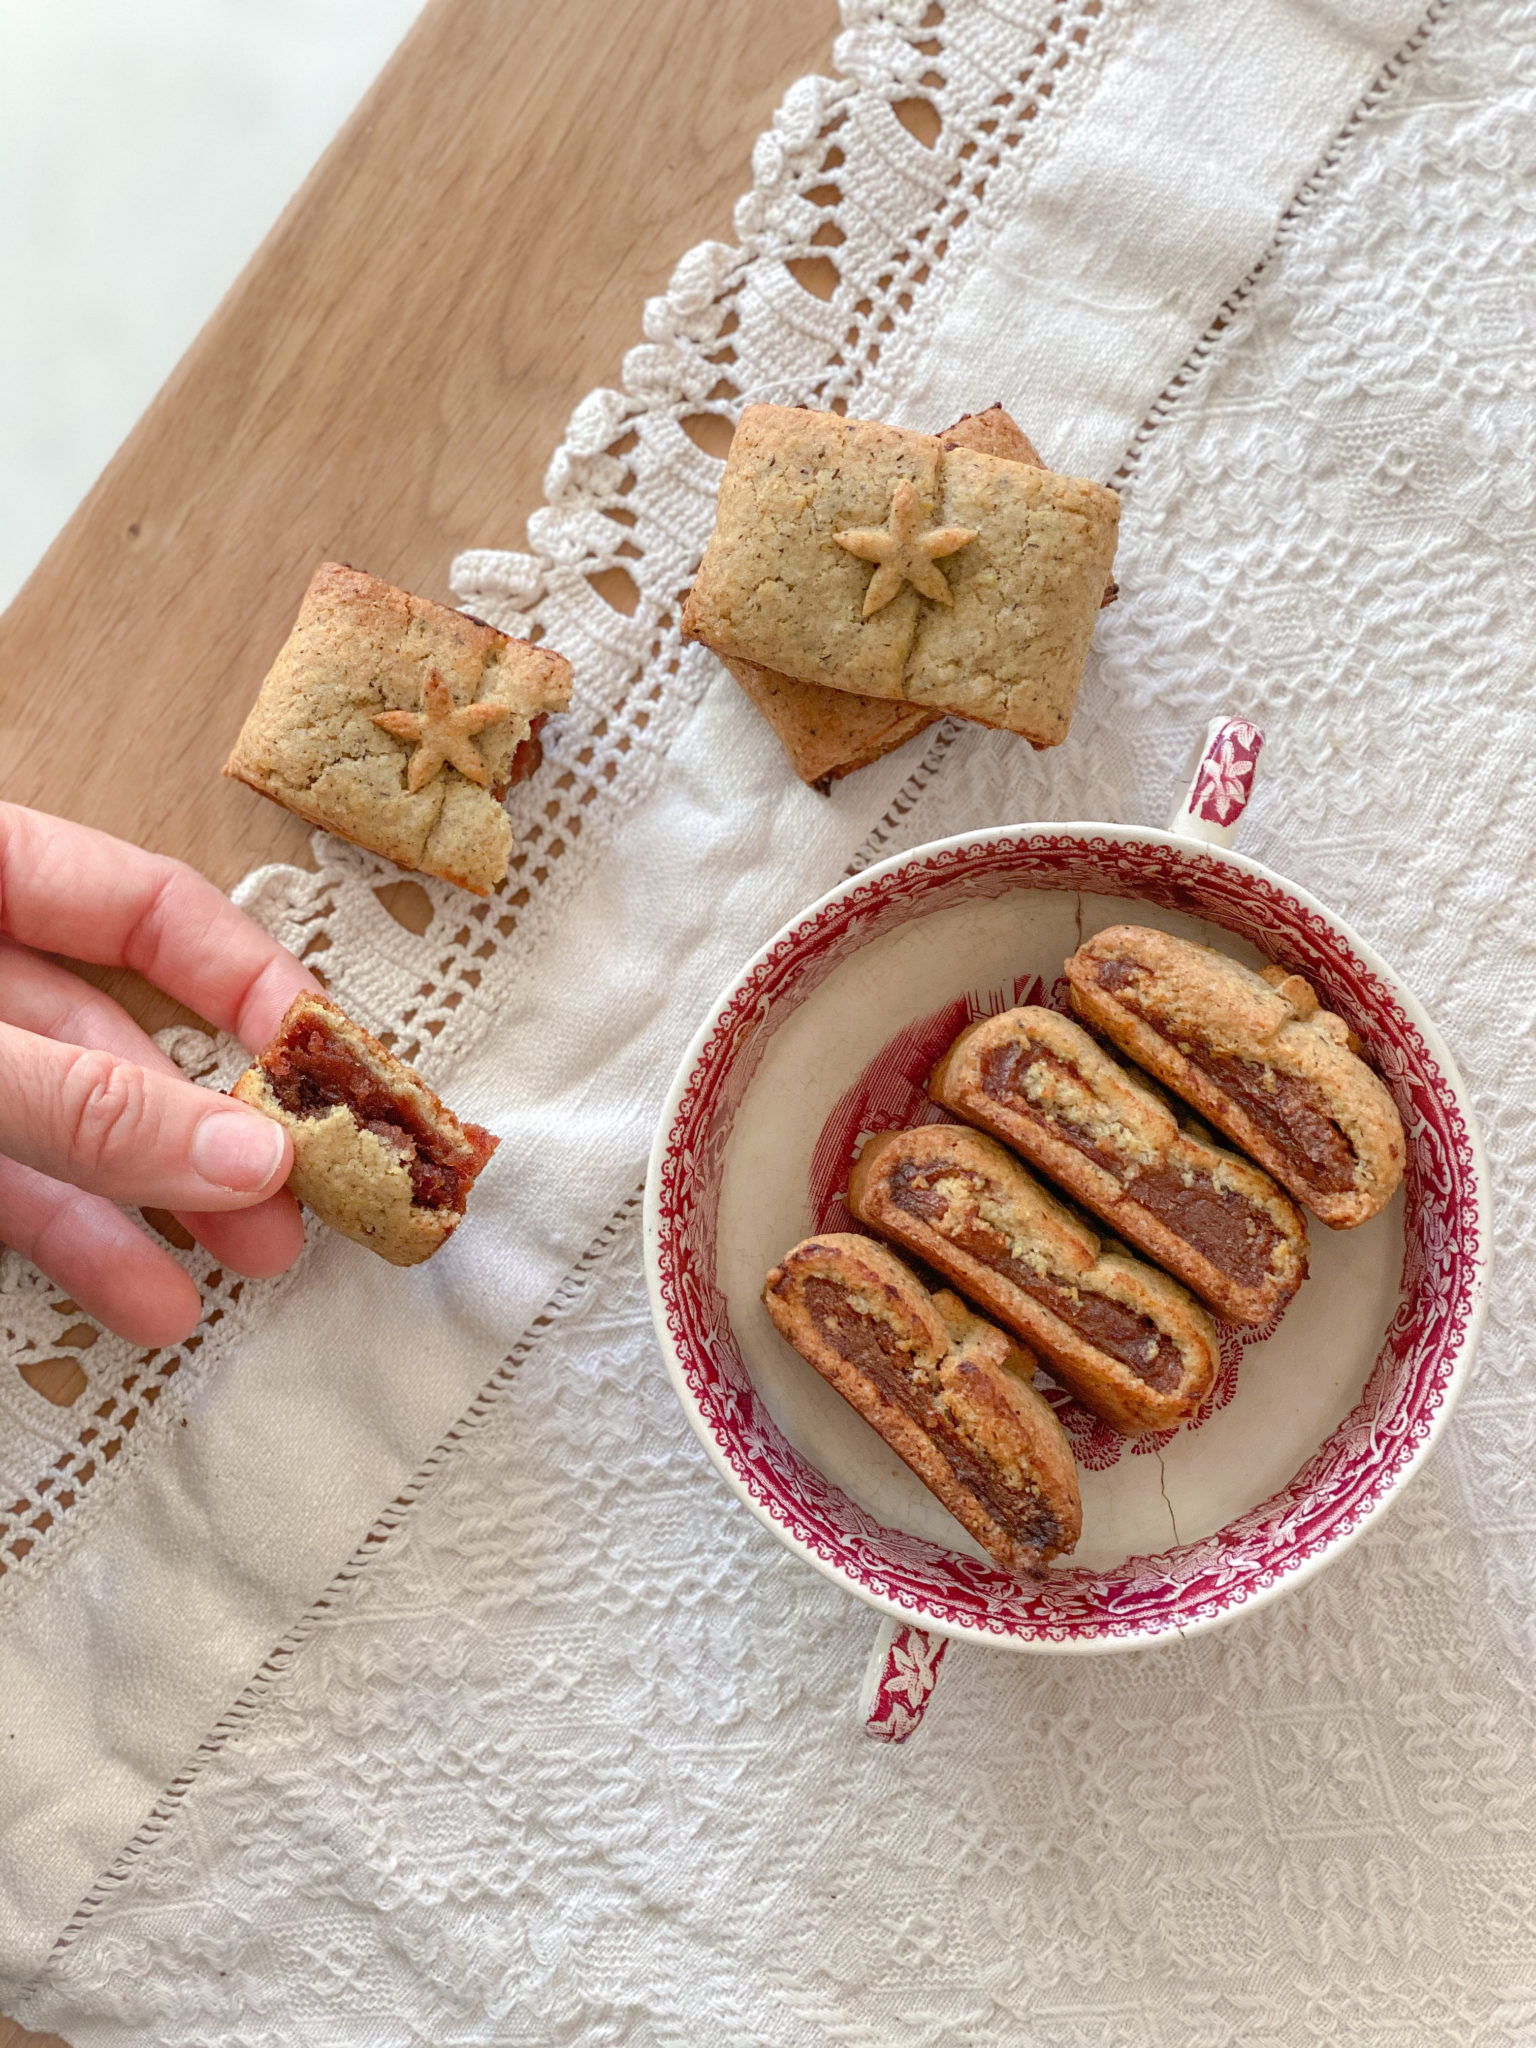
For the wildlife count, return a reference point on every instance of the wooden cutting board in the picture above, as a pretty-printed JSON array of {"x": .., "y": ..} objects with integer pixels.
[{"x": 383, "y": 385}]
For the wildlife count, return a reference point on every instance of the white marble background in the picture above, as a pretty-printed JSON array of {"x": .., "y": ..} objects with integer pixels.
[{"x": 145, "y": 149}]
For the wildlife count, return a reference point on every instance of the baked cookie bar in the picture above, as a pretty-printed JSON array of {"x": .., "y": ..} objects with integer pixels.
[
  {"x": 828, "y": 733},
  {"x": 376, "y": 1155},
  {"x": 906, "y": 566},
  {"x": 1129, "y": 1342},
  {"x": 1256, "y": 1056},
  {"x": 949, "y": 1394},
  {"x": 400, "y": 725},
  {"x": 1215, "y": 1221}
]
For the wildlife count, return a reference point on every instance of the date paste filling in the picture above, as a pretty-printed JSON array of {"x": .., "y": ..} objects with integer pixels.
[
  {"x": 312, "y": 1072},
  {"x": 527, "y": 756},
  {"x": 1291, "y": 1112},
  {"x": 1133, "y": 1339},
  {"x": 874, "y": 1348},
  {"x": 1235, "y": 1233}
]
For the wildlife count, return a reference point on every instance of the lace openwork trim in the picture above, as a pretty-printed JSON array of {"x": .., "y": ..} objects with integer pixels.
[{"x": 821, "y": 298}]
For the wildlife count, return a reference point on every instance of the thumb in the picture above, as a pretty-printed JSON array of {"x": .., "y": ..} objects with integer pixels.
[{"x": 131, "y": 1133}]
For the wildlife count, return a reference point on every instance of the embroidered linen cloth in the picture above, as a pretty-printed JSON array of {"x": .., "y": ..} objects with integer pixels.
[{"x": 404, "y": 1672}]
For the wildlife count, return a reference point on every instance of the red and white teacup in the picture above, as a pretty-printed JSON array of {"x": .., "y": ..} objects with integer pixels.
[{"x": 831, "y": 1030}]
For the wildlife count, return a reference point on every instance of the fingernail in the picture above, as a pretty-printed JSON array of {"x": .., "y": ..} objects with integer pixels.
[{"x": 237, "y": 1149}]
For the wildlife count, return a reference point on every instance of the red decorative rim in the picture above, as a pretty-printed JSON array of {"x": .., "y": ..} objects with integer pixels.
[{"x": 1423, "y": 1359}]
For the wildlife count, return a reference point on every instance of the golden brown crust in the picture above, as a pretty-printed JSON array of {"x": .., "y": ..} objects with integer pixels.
[
  {"x": 993, "y": 432},
  {"x": 353, "y": 1180},
  {"x": 1039, "y": 1083},
  {"x": 1009, "y": 649},
  {"x": 1129, "y": 1342},
  {"x": 1007, "y": 645},
  {"x": 361, "y": 650},
  {"x": 1256, "y": 1056},
  {"x": 774, "y": 587},
  {"x": 950, "y": 1394},
  {"x": 827, "y": 733}
]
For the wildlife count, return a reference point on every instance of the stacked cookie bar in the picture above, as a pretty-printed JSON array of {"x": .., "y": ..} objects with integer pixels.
[{"x": 909, "y": 575}]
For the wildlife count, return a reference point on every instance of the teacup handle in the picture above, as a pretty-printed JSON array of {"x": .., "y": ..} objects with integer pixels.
[
  {"x": 1222, "y": 782},
  {"x": 903, "y": 1669}
]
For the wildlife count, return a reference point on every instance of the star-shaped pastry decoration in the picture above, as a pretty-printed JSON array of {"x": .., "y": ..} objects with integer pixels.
[
  {"x": 442, "y": 733},
  {"x": 905, "y": 553}
]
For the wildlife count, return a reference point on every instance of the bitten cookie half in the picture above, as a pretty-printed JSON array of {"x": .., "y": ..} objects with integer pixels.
[
  {"x": 1256, "y": 1056},
  {"x": 376, "y": 1154},
  {"x": 950, "y": 1394},
  {"x": 1041, "y": 1084},
  {"x": 1132, "y": 1345},
  {"x": 400, "y": 724}
]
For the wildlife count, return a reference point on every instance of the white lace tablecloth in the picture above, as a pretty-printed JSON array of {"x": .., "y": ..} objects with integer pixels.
[{"x": 387, "y": 1665}]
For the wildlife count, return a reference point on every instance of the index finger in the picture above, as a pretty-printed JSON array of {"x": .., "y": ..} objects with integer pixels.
[{"x": 66, "y": 888}]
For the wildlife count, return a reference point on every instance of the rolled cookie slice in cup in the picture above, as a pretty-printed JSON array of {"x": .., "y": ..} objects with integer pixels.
[
  {"x": 947, "y": 1391},
  {"x": 376, "y": 1154},
  {"x": 1256, "y": 1056},
  {"x": 1038, "y": 1082},
  {"x": 1130, "y": 1343}
]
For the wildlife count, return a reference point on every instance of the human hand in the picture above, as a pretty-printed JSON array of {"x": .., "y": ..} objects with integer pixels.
[{"x": 93, "y": 1114}]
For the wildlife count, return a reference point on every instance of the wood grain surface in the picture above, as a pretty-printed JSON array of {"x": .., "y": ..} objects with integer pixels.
[
  {"x": 384, "y": 384},
  {"x": 12, "y": 2036}
]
